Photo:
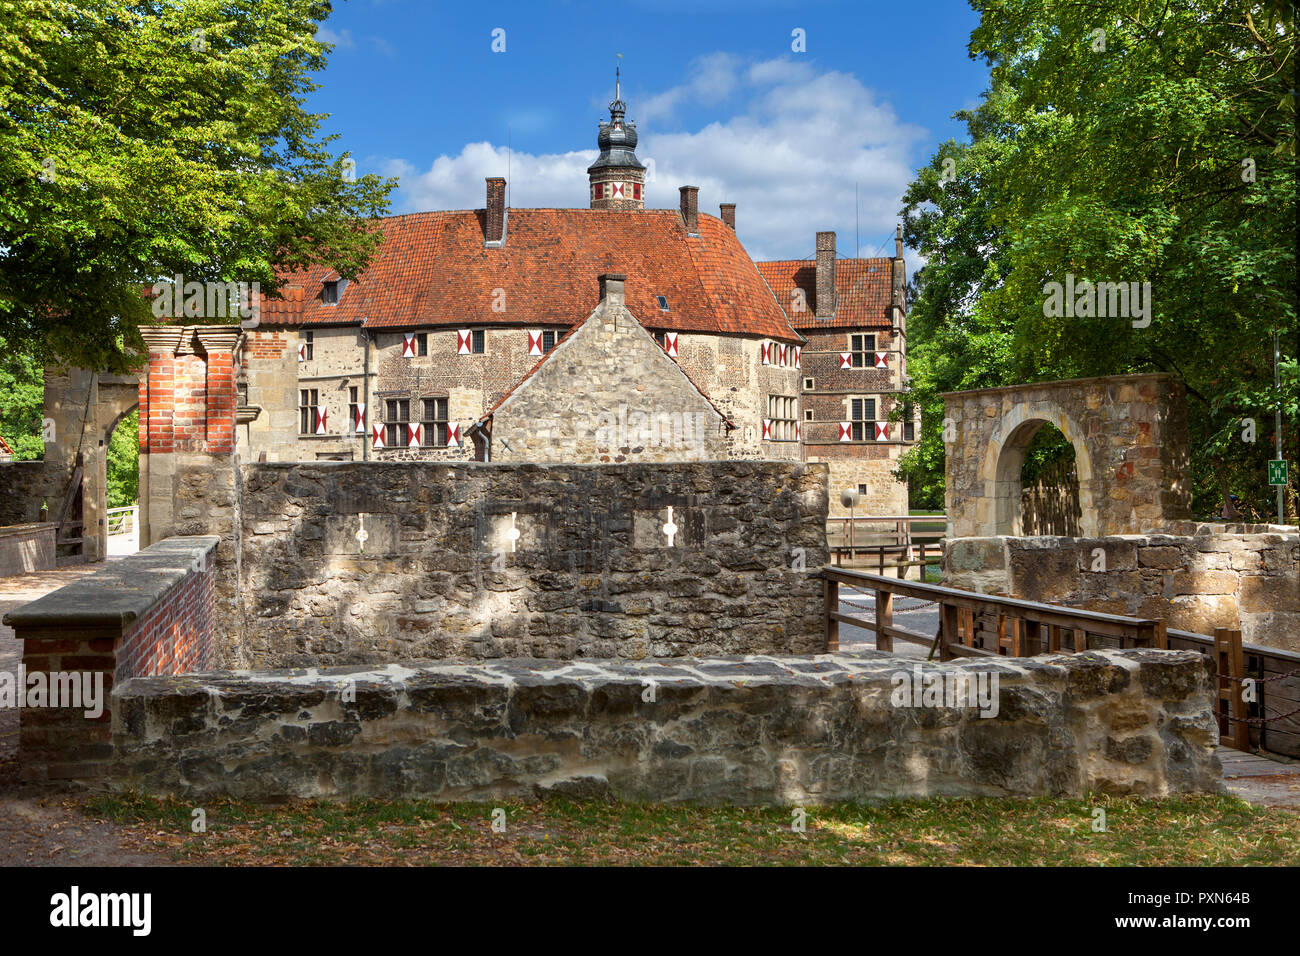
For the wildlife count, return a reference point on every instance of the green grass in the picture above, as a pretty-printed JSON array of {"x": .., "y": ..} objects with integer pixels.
[{"x": 1201, "y": 830}]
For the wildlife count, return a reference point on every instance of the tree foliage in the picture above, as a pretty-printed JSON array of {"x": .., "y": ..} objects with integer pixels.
[
  {"x": 1123, "y": 141},
  {"x": 141, "y": 140}
]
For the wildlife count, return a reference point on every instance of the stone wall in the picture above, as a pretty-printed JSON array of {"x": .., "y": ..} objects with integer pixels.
[
  {"x": 27, "y": 547},
  {"x": 1129, "y": 434},
  {"x": 23, "y": 486},
  {"x": 753, "y": 731},
  {"x": 1195, "y": 578},
  {"x": 591, "y": 574},
  {"x": 149, "y": 613},
  {"x": 608, "y": 393}
]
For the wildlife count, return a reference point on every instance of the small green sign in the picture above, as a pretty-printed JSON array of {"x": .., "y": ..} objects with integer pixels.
[{"x": 1277, "y": 472}]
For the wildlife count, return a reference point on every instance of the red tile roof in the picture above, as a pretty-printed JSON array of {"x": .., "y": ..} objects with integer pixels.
[
  {"x": 433, "y": 270},
  {"x": 865, "y": 288}
]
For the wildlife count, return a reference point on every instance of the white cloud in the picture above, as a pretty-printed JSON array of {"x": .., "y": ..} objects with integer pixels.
[
  {"x": 342, "y": 39},
  {"x": 788, "y": 156}
]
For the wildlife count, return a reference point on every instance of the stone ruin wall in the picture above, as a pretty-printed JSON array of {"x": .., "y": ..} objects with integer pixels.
[
  {"x": 1193, "y": 577},
  {"x": 591, "y": 574}
]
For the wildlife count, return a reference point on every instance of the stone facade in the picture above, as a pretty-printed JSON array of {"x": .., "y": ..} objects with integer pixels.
[
  {"x": 1195, "y": 578},
  {"x": 24, "y": 485},
  {"x": 591, "y": 574},
  {"x": 607, "y": 393},
  {"x": 1129, "y": 434},
  {"x": 757, "y": 730}
]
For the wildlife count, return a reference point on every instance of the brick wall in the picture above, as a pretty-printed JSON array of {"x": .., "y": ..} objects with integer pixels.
[{"x": 151, "y": 613}]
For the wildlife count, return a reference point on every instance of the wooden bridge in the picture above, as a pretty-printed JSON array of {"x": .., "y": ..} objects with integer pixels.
[{"x": 987, "y": 625}]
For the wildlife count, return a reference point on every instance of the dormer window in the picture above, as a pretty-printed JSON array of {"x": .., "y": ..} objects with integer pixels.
[
  {"x": 332, "y": 291},
  {"x": 663, "y": 303}
]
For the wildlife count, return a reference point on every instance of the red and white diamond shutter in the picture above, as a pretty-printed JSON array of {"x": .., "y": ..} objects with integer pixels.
[
  {"x": 453, "y": 435},
  {"x": 882, "y": 431},
  {"x": 463, "y": 337},
  {"x": 534, "y": 341},
  {"x": 798, "y": 357},
  {"x": 377, "y": 435},
  {"x": 320, "y": 420},
  {"x": 413, "y": 434},
  {"x": 765, "y": 353},
  {"x": 670, "y": 344},
  {"x": 767, "y": 429},
  {"x": 846, "y": 431},
  {"x": 798, "y": 433},
  {"x": 302, "y": 352},
  {"x": 616, "y": 191},
  {"x": 882, "y": 360},
  {"x": 781, "y": 354},
  {"x": 359, "y": 419},
  {"x": 846, "y": 360},
  {"x": 408, "y": 345}
]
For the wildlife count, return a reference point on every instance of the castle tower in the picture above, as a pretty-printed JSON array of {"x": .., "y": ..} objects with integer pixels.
[{"x": 617, "y": 177}]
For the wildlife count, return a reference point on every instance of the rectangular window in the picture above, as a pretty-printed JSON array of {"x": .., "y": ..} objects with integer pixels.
[
  {"x": 862, "y": 413},
  {"x": 309, "y": 344},
  {"x": 661, "y": 338},
  {"x": 636, "y": 190},
  {"x": 807, "y": 414},
  {"x": 783, "y": 411},
  {"x": 308, "y": 405},
  {"x": 422, "y": 343},
  {"x": 330, "y": 294},
  {"x": 548, "y": 340},
  {"x": 396, "y": 421},
  {"x": 863, "y": 348},
  {"x": 909, "y": 431},
  {"x": 435, "y": 423},
  {"x": 477, "y": 342},
  {"x": 862, "y": 489},
  {"x": 808, "y": 384},
  {"x": 353, "y": 405}
]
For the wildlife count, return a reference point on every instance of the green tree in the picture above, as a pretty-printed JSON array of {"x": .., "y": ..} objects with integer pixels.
[
  {"x": 1150, "y": 143},
  {"x": 22, "y": 403},
  {"x": 124, "y": 463},
  {"x": 143, "y": 140}
]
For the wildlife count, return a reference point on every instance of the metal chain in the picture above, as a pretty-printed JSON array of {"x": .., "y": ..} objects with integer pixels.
[{"x": 1263, "y": 680}]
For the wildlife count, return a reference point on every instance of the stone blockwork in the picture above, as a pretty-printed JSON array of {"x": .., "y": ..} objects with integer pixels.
[
  {"x": 24, "y": 485},
  {"x": 608, "y": 393},
  {"x": 1129, "y": 434},
  {"x": 27, "y": 547},
  {"x": 1195, "y": 577},
  {"x": 758, "y": 730},
  {"x": 149, "y": 613},
  {"x": 592, "y": 573}
]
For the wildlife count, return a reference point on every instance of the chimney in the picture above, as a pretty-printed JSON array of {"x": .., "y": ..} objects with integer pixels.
[
  {"x": 496, "y": 209},
  {"x": 898, "y": 276},
  {"x": 611, "y": 288},
  {"x": 729, "y": 214},
  {"x": 825, "y": 275},
  {"x": 691, "y": 209}
]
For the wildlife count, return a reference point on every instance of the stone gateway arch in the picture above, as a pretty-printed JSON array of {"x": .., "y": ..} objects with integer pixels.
[{"x": 1130, "y": 439}]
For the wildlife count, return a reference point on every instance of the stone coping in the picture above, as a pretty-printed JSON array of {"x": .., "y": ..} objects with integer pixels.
[
  {"x": 530, "y": 465},
  {"x": 119, "y": 593},
  {"x": 1065, "y": 383},
  {"x": 684, "y": 672},
  {"x": 28, "y": 528}
]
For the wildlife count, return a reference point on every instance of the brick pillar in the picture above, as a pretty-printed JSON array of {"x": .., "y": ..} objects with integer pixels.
[
  {"x": 728, "y": 210},
  {"x": 220, "y": 392}
]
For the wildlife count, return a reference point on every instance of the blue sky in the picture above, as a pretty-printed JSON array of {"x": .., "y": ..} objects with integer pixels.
[{"x": 720, "y": 98}]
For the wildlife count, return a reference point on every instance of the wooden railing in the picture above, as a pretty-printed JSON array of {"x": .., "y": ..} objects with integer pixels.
[
  {"x": 887, "y": 541},
  {"x": 968, "y": 621},
  {"x": 120, "y": 520},
  {"x": 987, "y": 625}
]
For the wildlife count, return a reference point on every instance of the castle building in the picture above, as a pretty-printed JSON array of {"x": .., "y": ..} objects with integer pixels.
[{"x": 607, "y": 334}]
